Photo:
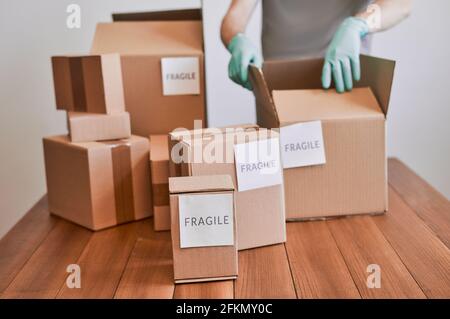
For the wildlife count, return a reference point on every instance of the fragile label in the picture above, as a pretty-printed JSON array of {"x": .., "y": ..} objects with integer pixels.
[
  {"x": 258, "y": 164},
  {"x": 180, "y": 76},
  {"x": 206, "y": 220},
  {"x": 302, "y": 144}
]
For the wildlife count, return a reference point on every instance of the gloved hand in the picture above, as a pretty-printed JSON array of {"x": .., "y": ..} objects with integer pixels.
[
  {"x": 342, "y": 56},
  {"x": 243, "y": 53}
]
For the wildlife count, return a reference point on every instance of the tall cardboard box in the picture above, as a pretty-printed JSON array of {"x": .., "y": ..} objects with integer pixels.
[
  {"x": 203, "y": 228},
  {"x": 163, "y": 70},
  {"x": 260, "y": 212},
  {"x": 91, "y": 127},
  {"x": 98, "y": 184},
  {"x": 159, "y": 168},
  {"x": 90, "y": 83},
  {"x": 352, "y": 179}
]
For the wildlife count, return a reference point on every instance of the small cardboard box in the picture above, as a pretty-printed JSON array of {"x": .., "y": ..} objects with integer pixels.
[
  {"x": 163, "y": 69},
  {"x": 260, "y": 212},
  {"x": 98, "y": 184},
  {"x": 91, "y": 83},
  {"x": 203, "y": 228},
  {"x": 159, "y": 167},
  {"x": 352, "y": 179},
  {"x": 91, "y": 127}
]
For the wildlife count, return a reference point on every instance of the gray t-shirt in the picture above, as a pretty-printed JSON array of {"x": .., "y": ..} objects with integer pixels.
[{"x": 304, "y": 28}]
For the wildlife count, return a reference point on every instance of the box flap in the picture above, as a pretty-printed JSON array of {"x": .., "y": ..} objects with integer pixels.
[
  {"x": 308, "y": 105},
  {"x": 159, "y": 147},
  {"x": 194, "y": 184},
  {"x": 170, "y": 15},
  {"x": 169, "y": 38},
  {"x": 266, "y": 112},
  {"x": 376, "y": 73}
]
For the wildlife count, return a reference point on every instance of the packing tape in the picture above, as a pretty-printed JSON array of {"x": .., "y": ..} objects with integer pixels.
[
  {"x": 160, "y": 194},
  {"x": 123, "y": 180},
  {"x": 77, "y": 79}
]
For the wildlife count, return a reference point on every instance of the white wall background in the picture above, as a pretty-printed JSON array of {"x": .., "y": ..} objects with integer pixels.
[{"x": 32, "y": 31}]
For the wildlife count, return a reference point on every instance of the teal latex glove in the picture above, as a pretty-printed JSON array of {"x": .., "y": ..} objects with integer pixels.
[
  {"x": 243, "y": 53},
  {"x": 342, "y": 56}
]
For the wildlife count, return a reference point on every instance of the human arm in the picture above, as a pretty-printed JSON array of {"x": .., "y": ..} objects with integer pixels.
[
  {"x": 243, "y": 51},
  {"x": 342, "y": 57}
]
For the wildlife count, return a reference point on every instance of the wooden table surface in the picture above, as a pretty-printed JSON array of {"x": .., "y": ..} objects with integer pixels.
[{"x": 321, "y": 259}]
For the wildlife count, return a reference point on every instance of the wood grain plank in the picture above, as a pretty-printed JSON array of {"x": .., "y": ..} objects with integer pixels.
[
  {"x": 45, "y": 271},
  {"x": 17, "y": 246},
  {"x": 362, "y": 244},
  {"x": 317, "y": 265},
  {"x": 429, "y": 204},
  {"x": 425, "y": 256},
  {"x": 103, "y": 262},
  {"x": 264, "y": 273},
  {"x": 149, "y": 271},
  {"x": 205, "y": 290}
]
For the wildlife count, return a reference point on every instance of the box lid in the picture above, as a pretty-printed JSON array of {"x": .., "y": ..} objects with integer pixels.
[
  {"x": 308, "y": 105},
  {"x": 65, "y": 139},
  {"x": 149, "y": 38},
  {"x": 169, "y": 15},
  {"x": 159, "y": 147},
  {"x": 196, "y": 184},
  {"x": 198, "y": 133},
  {"x": 304, "y": 74}
]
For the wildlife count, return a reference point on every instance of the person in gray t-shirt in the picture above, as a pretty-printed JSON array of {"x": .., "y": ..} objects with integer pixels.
[{"x": 335, "y": 29}]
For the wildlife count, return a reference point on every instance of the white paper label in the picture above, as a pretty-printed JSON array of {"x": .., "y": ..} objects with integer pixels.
[
  {"x": 258, "y": 164},
  {"x": 180, "y": 76},
  {"x": 206, "y": 220},
  {"x": 302, "y": 144}
]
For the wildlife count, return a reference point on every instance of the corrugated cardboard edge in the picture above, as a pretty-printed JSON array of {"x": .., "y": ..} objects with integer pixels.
[
  {"x": 169, "y": 15},
  {"x": 183, "y": 281},
  {"x": 322, "y": 218}
]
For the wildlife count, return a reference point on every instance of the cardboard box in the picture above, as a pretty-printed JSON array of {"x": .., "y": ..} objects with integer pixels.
[
  {"x": 260, "y": 212},
  {"x": 90, "y": 83},
  {"x": 149, "y": 48},
  {"x": 98, "y": 184},
  {"x": 353, "y": 179},
  {"x": 203, "y": 231},
  {"x": 159, "y": 167},
  {"x": 91, "y": 127},
  {"x": 176, "y": 136}
]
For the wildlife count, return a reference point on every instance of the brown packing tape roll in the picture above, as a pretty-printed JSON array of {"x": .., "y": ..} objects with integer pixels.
[
  {"x": 76, "y": 74},
  {"x": 160, "y": 194},
  {"x": 123, "y": 181}
]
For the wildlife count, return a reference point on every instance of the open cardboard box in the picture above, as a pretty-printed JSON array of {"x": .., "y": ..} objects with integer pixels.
[
  {"x": 143, "y": 45},
  {"x": 354, "y": 178}
]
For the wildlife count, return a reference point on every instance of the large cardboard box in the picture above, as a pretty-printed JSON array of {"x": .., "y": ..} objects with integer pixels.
[
  {"x": 203, "y": 228},
  {"x": 163, "y": 70},
  {"x": 91, "y": 127},
  {"x": 353, "y": 179},
  {"x": 260, "y": 212},
  {"x": 91, "y": 83},
  {"x": 159, "y": 167},
  {"x": 98, "y": 184}
]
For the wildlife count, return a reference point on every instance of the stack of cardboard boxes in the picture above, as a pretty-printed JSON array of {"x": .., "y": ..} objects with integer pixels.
[
  {"x": 319, "y": 153},
  {"x": 97, "y": 176}
]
